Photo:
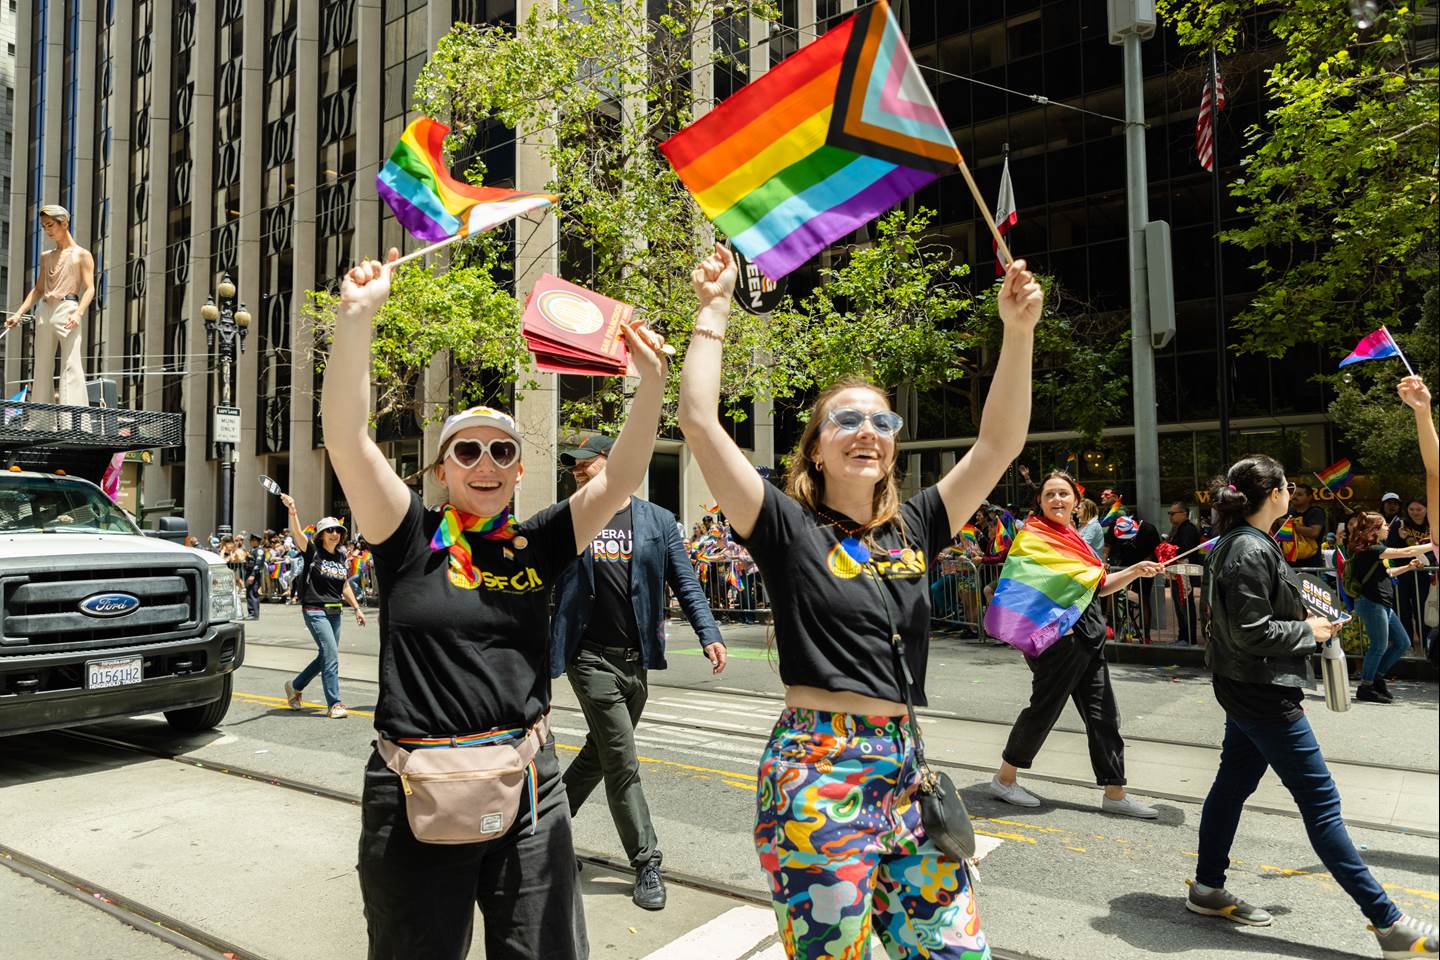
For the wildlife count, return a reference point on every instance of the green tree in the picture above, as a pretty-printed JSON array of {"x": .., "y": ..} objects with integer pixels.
[
  {"x": 1375, "y": 426},
  {"x": 457, "y": 308},
  {"x": 1339, "y": 178}
]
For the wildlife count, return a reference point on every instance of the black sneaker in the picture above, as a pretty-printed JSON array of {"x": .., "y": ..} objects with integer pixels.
[
  {"x": 649, "y": 887},
  {"x": 1382, "y": 688},
  {"x": 1368, "y": 694}
]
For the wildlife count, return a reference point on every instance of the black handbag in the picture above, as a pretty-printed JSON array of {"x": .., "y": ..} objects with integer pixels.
[{"x": 942, "y": 812}]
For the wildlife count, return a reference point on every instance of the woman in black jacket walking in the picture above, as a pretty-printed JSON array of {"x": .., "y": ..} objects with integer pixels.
[{"x": 1260, "y": 643}]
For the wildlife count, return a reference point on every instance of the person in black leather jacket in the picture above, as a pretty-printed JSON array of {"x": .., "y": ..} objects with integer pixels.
[{"x": 1260, "y": 644}]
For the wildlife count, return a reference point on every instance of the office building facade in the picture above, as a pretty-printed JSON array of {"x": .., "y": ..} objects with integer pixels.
[{"x": 198, "y": 139}]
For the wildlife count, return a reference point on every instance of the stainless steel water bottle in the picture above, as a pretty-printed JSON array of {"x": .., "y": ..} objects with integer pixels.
[{"x": 1336, "y": 675}]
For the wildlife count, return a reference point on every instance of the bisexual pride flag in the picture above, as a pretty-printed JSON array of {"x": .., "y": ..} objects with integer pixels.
[
  {"x": 824, "y": 142},
  {"x": 1049, "y": 578},
  {"x": 1375, "y": 346},
  {"x": 435, "y": 206}
]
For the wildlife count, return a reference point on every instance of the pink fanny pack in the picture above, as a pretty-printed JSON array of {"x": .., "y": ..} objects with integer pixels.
[{"x": 466, "y": 789}]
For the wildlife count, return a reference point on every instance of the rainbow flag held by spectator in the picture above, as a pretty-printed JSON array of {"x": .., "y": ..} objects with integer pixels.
[
  {"x": 1116, "y": 511},
  {"x": 1048, "y": 580},
  {"x": 968, "y": 532},
  {"x": 433, "y": 205},
  {"x": 1376, "y": 346},
  {"x": 821, "y": 144},
  {"x": 1285, "y": 536},
  {"x": 1337, "y": 476}
]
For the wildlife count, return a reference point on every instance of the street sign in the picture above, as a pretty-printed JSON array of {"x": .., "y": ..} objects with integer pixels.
[
  {"x": 755, "y": 292},
  {"x": 227, "y": 424}
]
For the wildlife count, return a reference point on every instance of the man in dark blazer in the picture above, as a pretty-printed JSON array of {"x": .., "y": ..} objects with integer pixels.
[{"x": 607, "y": 632}]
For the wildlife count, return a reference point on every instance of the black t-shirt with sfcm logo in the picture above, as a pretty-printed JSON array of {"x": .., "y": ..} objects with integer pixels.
[
  {"x": 324, "y": 575},
  {"x": 832, "y": 629},
  {"x": 455, "y": 660},
  {"x": 612, "y": 619}
]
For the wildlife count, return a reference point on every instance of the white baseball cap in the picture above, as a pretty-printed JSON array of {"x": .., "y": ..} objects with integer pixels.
[
  {"x": 1390, "y": 496},
  {"x": 480, "y": 417}
]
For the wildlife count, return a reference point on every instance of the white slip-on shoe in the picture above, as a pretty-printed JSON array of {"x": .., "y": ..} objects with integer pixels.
[
  {"x": 1012, "y": 793},
  {"x": 1128, "y": 806}
]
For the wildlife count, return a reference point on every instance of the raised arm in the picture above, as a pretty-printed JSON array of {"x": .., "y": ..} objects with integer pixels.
[
  {"x": 377, "y": 496},
  {"x": 594, "y": 504},
  {"x": 1417, "y": 397},
  {"x": 737, "y": 487},
  {"x": 297, "y": 529},
  {"x": 1006, "y": 418}
]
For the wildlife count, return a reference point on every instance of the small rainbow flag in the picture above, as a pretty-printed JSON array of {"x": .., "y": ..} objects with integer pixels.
[
  {"x": 1336, "y": 476},
  {"x": 1285, "y": 536},
  {"x": 435, "y": 206},
  {"x": 1048, "y": 580},
  {"x": 824, "y": 142},
  {"x": 1376, "y": 346},
  {"x": 1205, "y": 548},
  {"x": 969, "y": 533},
  {"x": 1116, "y": 511}
]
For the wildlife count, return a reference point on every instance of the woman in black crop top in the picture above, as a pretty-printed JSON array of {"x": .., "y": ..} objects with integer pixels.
[
  {"x": 464, "y": 628},
  {"x": 840, "y": 761}
]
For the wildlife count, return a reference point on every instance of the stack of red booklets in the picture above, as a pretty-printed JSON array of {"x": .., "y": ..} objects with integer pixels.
[{"x": 573, "y": 330}]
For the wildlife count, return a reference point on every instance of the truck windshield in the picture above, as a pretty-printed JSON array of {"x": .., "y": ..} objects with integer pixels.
[{"x": 58, "y": 505}]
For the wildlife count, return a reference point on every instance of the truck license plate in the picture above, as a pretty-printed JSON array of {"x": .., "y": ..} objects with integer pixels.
[{"x": 112, "y": 673}]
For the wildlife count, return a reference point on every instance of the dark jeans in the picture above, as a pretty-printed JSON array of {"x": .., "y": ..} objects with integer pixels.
[
  {"x": 252, "y": 599},
  {"x": 1291, "y": 749},
  {"x": 1070, "y": 669},
  {"x": 612, "y": 693},
  {"x": 1184, "y": 602},
  {"x": 420, "y": 898}
]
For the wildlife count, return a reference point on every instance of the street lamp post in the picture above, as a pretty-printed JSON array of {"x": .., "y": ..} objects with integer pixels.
[{"x": 226, "y": 328}]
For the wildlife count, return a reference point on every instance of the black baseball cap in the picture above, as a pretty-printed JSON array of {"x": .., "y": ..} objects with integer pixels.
[{"x": 595, "y": 445}]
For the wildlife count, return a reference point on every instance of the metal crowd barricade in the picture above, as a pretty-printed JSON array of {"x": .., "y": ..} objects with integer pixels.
[
  {"x": 733, "y": 589},
  {"x": 1418, "y": 613},
  {"x": 960, "y": 589}
]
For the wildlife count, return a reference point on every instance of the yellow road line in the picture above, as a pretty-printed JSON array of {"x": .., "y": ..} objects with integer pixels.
[
  {"x": 1008, "y": 836},
  {"x": 1027, "y": 826}
]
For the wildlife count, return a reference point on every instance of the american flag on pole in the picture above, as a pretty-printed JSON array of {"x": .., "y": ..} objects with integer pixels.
[
  {"x": 1204, "y": 134},
  {"x": 1005, "y": 214}
]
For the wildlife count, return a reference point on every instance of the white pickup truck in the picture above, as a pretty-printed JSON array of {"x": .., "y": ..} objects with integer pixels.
[{"x": 97, "y": 619}]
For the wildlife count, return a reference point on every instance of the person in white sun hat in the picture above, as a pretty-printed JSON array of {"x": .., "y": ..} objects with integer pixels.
[{"x": 323, "y": 586}]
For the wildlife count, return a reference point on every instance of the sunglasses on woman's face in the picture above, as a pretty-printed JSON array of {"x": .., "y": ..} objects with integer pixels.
[
  {"x": 885, "y": 422},
  {"x": 467, "y": 453}
]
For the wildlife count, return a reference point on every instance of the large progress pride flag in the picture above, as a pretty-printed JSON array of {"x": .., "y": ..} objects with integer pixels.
[
  {"x": 433, "y": 205},
  {"x": 1049, "y": 578},
  {"x": 827, "y": 140}
]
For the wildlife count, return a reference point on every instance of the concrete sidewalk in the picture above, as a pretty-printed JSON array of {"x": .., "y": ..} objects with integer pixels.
[{"x": 1374, "y": 796}]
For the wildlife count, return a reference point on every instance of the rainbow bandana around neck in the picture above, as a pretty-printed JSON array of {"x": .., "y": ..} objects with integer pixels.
[{"x": 451, "y": 536}]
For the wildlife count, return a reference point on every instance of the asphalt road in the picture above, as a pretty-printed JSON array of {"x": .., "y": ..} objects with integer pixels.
[{"x": 1060, "y": 882}]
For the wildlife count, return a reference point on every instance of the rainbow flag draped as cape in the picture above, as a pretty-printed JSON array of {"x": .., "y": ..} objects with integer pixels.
[
  {"x": 824, "y": 142},
  {"x": 1336, "y": 476},
  {"x": 1375, "y": 346},
  {"x": 1115, "y": 512},
  {"x": 1048, "y": 580},
  {"x": 433, "y": 205},
  {"x": 1285, "y": 536}
]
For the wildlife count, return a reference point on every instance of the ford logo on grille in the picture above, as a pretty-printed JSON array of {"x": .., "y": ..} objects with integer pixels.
[{"x": 109, "y": 605}]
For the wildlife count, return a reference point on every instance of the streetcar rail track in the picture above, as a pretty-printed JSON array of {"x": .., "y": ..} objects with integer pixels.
[{"x": 203, "y": 944}]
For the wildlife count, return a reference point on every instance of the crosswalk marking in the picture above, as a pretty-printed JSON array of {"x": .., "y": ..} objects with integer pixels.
[{"x": 730, "y": 936}]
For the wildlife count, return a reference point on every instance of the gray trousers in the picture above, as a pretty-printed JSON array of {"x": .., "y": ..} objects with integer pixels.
[{"x": 612, "y": 692}]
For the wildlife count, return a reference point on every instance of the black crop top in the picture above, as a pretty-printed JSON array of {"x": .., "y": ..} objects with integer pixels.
[{"x": 831, "y": 626}]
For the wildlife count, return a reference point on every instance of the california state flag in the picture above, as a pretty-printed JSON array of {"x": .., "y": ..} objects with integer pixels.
[{"x": 1005, "y": 215}]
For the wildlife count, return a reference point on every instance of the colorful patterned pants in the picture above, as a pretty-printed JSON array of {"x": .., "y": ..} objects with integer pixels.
[{"x": 842, "y": 841}]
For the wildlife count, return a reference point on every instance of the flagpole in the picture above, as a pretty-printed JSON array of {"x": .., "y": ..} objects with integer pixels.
[
  {"x": 985, "y": 212},
  {"x": 1398, "y": 352},
  {"x": 1187, "y": 553},
  {"x": 430, "y": 249},
  {"x": 1221, "y": 337}
]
